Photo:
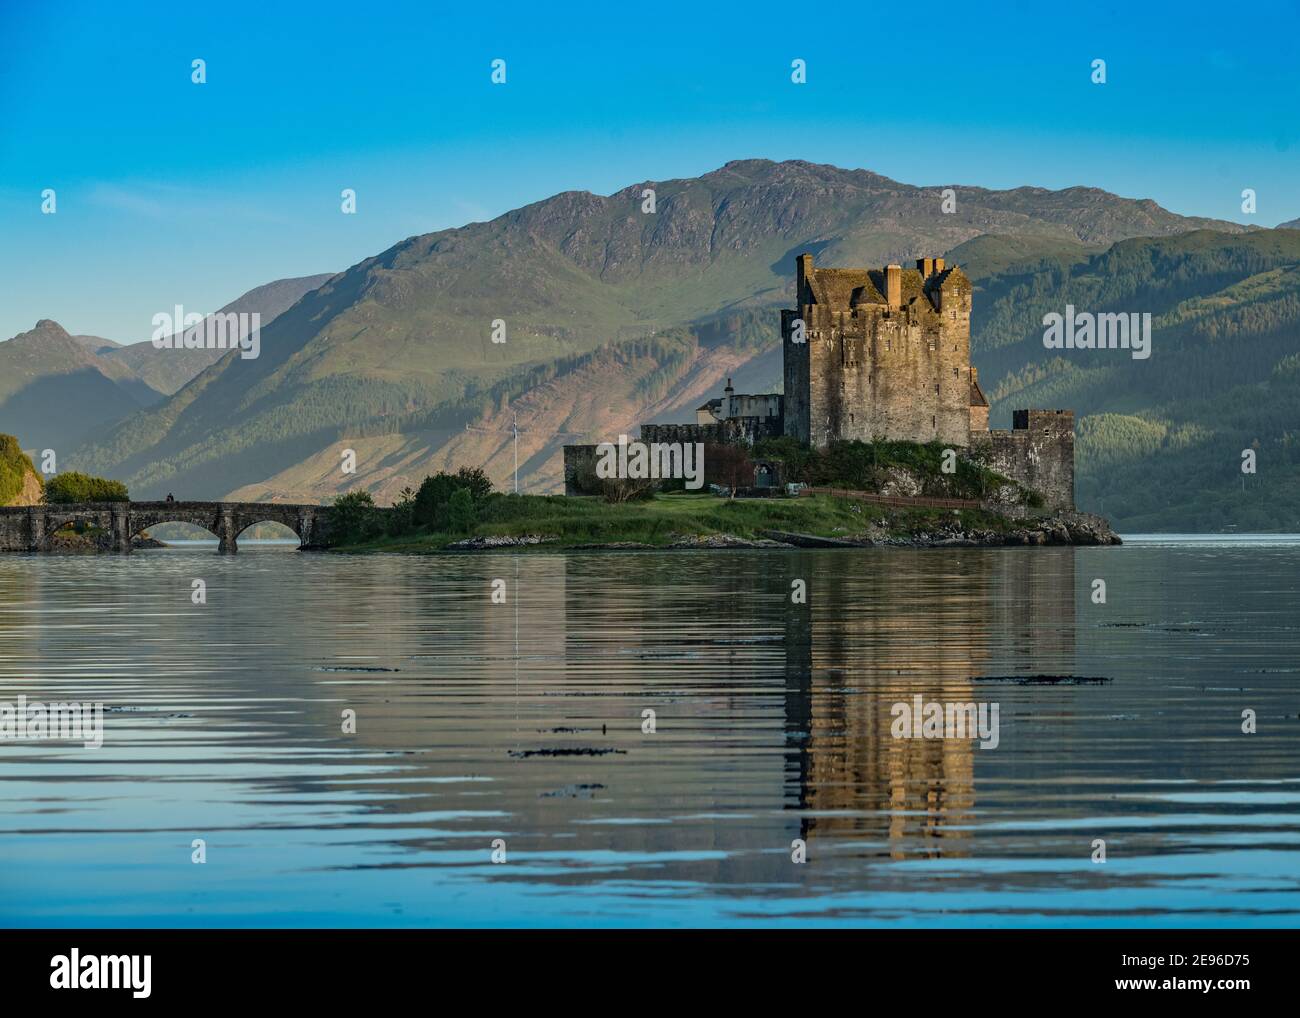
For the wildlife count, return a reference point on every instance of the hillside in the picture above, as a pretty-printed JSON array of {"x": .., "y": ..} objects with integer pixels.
[
  {"x": 20, "y": 484},
  {"x": 400, "y": 345},
  {"x": 54, "y": 391},
  {"x": 1160, "y": 440},
  {"x": 57, "y": 390},
  {"x": 168, "y": 370}
]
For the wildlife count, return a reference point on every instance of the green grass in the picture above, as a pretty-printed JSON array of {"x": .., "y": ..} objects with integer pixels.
[{"x": 668, "y": 517}]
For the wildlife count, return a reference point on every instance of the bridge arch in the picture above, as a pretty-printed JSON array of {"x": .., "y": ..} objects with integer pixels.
[
  {"x": 283, "y": 529},
  {"x": 140, "y": 527}
]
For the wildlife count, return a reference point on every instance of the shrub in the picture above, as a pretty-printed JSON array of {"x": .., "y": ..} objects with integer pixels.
[
  {"x": 77, "y": 487},
  {"x": 431, "y": 507}
]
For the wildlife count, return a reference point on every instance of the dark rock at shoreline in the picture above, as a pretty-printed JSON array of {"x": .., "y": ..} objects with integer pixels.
[
  {"x": 1061, "y": 530},
  {"x": 785, "y": 538},
  {"x": 729, "y": 541}
]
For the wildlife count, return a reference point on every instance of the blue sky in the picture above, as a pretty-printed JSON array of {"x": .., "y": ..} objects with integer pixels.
[{"x": 170, "y": 192}]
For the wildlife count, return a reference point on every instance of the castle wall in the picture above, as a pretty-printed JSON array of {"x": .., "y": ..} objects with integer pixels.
[
  {"x": 763, "y": 405},
  {"x": 579, "y": 461},
  {"x": 796, "y": 361},
  {"x": 733, "y": 430},
  {"x": 1038, "y": 452}
]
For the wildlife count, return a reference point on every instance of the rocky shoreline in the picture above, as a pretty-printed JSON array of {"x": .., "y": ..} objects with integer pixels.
[{"x": 1062, "y": 529}]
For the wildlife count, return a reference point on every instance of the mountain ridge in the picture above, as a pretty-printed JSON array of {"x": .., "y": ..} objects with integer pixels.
[{"x": 409, "y": 331}]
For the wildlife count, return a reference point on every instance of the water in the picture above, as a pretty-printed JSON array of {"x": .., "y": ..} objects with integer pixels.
[{"x": 772, "y": 724}]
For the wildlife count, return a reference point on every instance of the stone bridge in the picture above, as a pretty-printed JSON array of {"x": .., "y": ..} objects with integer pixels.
[{"x": 30, "y": 528}]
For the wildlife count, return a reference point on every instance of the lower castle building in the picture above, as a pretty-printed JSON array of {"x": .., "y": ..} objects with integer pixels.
[{"x": 884, "y": 354}]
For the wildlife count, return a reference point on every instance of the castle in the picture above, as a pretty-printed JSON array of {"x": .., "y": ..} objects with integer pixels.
[{"x": 885, "y": 353}]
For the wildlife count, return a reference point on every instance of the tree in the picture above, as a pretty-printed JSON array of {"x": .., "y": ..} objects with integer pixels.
[
  {"x": 354, "y": 517},
  {"x": 461, "y": 512},
  {"x": 431, "y": 507},
  {"x": 78, "y": 487},
  {"x": 728, "y": 465}
]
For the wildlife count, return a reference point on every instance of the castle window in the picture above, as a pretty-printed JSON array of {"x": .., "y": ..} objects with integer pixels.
[
  {"x": 936, "y": 390},
  {"x": 934, "y": 423},
  {"x": 954, "y": 316},
  {"x": 954, "y": 373}
]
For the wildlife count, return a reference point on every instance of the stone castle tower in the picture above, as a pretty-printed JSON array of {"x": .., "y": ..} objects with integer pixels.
[
  {"x": 882, "y": 354},
  {"x": 885, "y": 353}
]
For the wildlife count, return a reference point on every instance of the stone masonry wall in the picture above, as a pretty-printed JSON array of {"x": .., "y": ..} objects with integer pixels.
[
  {"x": 1038, "y": 452},
  {"x": 735, "y": 430},
  {"x": 886, "y": 354},
  {"x": 579, "y": 461}
]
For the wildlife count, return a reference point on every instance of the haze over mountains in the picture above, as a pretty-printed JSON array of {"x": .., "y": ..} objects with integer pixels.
[{"x": 614, "y": 316}]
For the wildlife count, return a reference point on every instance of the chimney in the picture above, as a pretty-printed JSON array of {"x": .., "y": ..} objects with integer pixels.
[
  {"x": 803, "y": 272},
  {"x": 938, "y": 265},
  {"x": 925, "y": 266},
  {"x": 894, "y": 285}
]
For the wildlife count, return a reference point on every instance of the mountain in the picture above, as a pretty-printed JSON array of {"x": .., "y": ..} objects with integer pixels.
[
  {"x": 1160, "y": 440},
  {"x": 1293, "y": 224},
  {"x": 612, "y": 316},
  {"x": 54, "y": 390},
  {"x": 167, "y": 370},
  {"x": 98, "y": 344},
  {"x": 57, "y": 390}
]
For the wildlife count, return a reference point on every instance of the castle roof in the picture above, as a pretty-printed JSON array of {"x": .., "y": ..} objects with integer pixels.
[
  {"x": 847, "y": 288},
  {"x": 837, "y": 287}
]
